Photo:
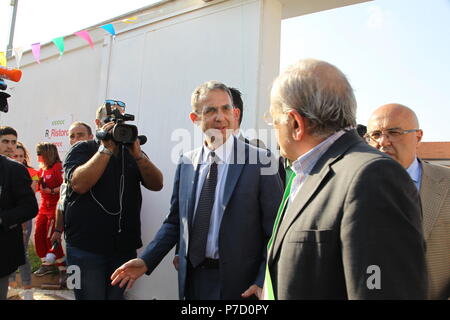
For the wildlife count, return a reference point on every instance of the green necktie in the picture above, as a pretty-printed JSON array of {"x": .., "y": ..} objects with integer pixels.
[{"x": 268, "y": 289}]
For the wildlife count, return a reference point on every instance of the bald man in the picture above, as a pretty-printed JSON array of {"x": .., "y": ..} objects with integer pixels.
[{"x": 394, "y": 130}]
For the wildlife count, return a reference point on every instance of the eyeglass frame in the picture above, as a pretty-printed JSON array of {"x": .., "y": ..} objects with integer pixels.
[
  {"x": 368, "y": 137},
  {"x": 202, "y": 113},
  {"x": 268, "y": 115}
]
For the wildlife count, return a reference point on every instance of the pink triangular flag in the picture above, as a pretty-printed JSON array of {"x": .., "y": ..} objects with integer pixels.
[
  {"x": 85, "y": 35},
  {"x": 36, "y": 48}
]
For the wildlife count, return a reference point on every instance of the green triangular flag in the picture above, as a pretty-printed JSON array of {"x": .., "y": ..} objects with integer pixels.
[{"x": 59, "y": 43}]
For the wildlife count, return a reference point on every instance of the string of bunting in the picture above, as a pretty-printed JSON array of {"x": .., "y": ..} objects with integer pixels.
[{"x": 59, "y": 43}]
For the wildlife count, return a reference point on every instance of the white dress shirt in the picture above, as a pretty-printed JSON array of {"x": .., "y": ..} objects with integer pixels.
[{"x": 223, "y": 159}]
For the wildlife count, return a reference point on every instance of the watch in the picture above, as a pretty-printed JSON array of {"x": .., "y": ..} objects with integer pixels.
[{"x": 105, "y": 150}]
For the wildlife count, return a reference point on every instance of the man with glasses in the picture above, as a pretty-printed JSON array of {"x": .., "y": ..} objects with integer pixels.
[
  {"x": 349, "y": 225},
  {"x": 102, "y": 207},
  {"x": 222, "y": 210},
  {"x": 394, "y": 130}
]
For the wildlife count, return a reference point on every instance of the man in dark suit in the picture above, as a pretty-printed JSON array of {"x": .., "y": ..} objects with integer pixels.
[
  {"x": 352, "y": 226},
  {"x": 222, "y": 210},
  {"x": 238, "y": 103},
  {"x": 17, "y": 205}
]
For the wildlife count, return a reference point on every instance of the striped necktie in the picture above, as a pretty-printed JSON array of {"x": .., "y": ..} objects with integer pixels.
[{"x": 200, "y": 228}]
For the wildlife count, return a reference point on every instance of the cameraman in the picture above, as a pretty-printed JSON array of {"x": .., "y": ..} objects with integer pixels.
[{"x": 103, "y": 204}]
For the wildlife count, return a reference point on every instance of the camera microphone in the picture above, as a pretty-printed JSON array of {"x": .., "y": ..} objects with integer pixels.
[
  {"x": 10, "y": 74},
  {"x": 142, "y": 139}
]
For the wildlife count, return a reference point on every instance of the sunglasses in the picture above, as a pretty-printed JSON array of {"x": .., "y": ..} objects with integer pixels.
[{"x": 115, "y": 102}]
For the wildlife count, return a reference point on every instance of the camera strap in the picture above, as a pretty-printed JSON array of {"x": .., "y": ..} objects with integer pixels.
[{"x": 121, "y": 190}]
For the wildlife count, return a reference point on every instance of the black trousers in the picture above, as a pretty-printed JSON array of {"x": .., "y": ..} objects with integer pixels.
[{"x": 203, "y": 282}]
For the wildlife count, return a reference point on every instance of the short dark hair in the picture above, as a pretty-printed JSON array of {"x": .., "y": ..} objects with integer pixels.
[
  {"x": 237, "y": 101},
  {"x": 361, "y": 129},
  {"x": 82, "y": 124},
  {"x": 7, "y": 130}
]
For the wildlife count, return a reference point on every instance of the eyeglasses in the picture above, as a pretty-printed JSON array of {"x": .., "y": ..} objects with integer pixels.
[
  {"x": 115, "y": 102},
  {"x": 210, "y": 110},
  {"x": 270, "y": 121},
  {"x": 391, "y": 133}
]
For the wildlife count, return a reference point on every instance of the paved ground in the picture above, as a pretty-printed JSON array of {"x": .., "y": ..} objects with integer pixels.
[
  {"x": 44, "y": 288},
  {"x": 42, "y": 294}
]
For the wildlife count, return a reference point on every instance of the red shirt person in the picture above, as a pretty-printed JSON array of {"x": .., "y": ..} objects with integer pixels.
[{"x": 50, "y": 180}]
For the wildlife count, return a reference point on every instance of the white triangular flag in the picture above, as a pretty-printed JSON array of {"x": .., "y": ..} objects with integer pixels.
[{"x": 18, "y": 55}]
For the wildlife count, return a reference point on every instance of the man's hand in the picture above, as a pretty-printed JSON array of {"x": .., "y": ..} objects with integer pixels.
[
  {"x": 47, "y": 190},
  {"x": 135, "y": 149},
  {"x": 176, "y": 262},
  {"x": 56, "y": 236},
  {"x": 110, "y": 144},
  {"x": 129, "y": 272},
  {"x": 253, "y": 290}
]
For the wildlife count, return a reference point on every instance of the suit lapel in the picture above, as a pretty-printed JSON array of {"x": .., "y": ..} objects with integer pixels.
[
  {"x": 191, "y": 176},
  {"x": 234, "y": 170},
  {"x": 432, "y": 193},
  {"x": 316, "y": 177}
]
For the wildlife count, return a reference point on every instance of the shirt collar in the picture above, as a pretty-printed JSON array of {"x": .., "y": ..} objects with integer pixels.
[
  {"x": 222, "y": 153},
  {"x": 306, "y": 162},
  {"x": 414, "y": 170}
]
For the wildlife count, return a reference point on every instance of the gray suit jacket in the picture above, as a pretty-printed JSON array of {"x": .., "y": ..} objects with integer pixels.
[
  {"x": 435, "y": 196},
  {"x": 352, "y": 232},
  {"x": 250, "y": 203}
]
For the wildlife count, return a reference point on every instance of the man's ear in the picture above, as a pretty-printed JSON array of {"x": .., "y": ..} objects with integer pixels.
[
  {"x": 419, "y": 135},
  {"x": 297, "y": 123},
  {"x": 98, "y": 123},
  {"x": 194, "y": 117},
  {"x": 237, "y": 113}
]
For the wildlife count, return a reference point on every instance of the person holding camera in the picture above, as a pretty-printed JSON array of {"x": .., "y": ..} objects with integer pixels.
[{"x": 103, "y": 202}]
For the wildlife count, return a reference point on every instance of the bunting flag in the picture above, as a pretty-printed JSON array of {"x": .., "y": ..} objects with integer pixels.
[
  {"x": 59, "y": 43},
  {"x": 129, "y": 20},
  {"x": 18, "y": 55},
  {"x": 110, "y": 29},
  {"x": 2, "y": 59},
  {"x": 85, "y": 35},
  {"x": 36, "y": 48}
]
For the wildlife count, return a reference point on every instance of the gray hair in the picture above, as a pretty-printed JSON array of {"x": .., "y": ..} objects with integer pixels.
[
  {"x": 318, "y": 91},
  {"x": 202, "y": 90}
]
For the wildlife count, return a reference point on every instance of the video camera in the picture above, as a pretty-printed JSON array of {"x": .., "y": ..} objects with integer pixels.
[
  {"x": 121, "y": 132},
  {"x": 3, "y": 97},
  {"x": 9, "y": 74}
]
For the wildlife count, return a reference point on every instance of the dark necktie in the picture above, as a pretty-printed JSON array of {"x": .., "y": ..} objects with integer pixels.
[{"x": 199, "y": 231}]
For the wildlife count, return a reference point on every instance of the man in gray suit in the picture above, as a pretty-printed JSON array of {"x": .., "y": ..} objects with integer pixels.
[
  {"x": 394, "y": 130},
  {"x": 222, "y": 210},
  {"x": 350, "y": 227}
]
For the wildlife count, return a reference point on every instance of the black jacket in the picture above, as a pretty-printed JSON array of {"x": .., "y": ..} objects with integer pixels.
[{"x": 17, "y": 205}]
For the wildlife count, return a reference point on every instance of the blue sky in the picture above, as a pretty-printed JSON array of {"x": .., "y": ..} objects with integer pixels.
[{"x": 391, "y": 50}]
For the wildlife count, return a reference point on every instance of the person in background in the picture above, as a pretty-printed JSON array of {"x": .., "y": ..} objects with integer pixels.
[
  {"x": 78, "y": 131},
  {"x": 394, "y": 129},
  {"x": 21, "y": 156},
  {"x": 17, "y": 205},
  {"x": 50, "y": 180}
]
